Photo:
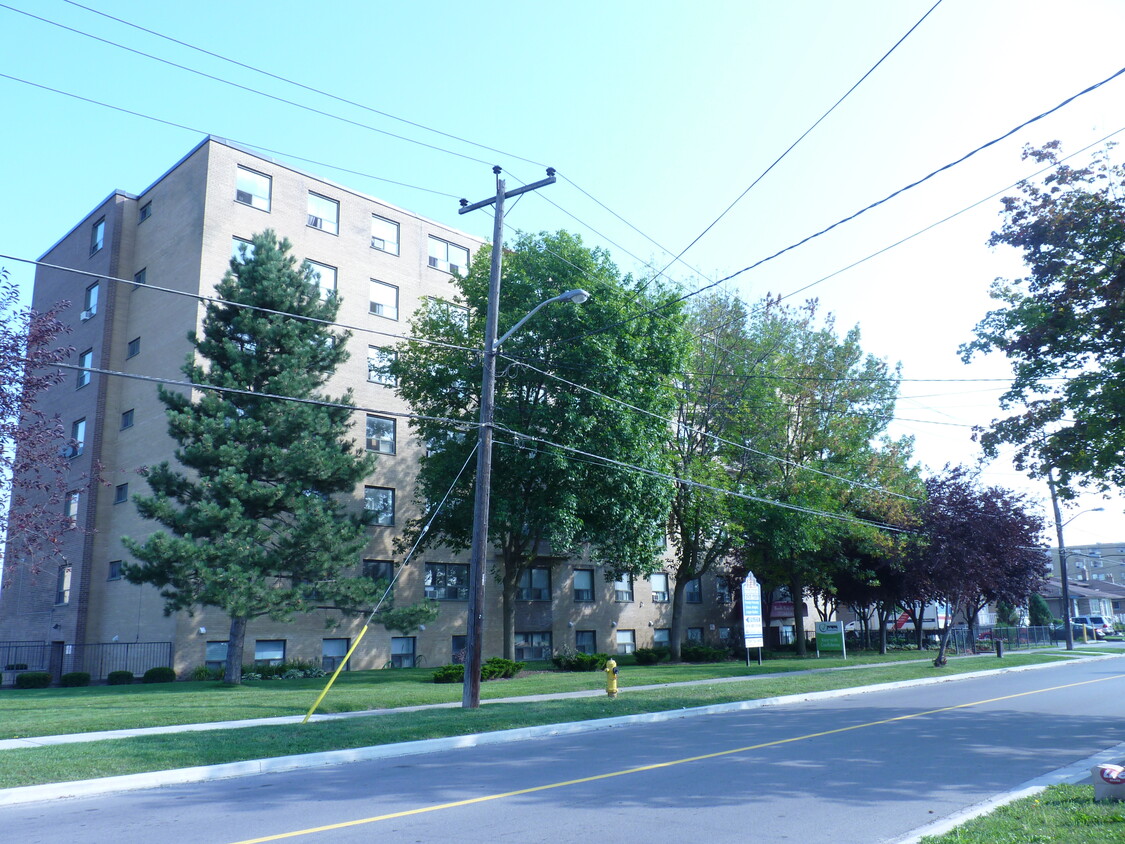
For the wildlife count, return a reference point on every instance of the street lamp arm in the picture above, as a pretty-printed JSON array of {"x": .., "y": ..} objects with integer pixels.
[{"x": 577, "y": 296}]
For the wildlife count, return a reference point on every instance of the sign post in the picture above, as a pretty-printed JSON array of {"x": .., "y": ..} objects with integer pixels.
[
  {"x": 752, "y": 634},
  {"x": 830, "y": 636}
]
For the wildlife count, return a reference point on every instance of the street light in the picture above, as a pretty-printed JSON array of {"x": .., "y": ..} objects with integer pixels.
[{"x": 470, "y": 695}]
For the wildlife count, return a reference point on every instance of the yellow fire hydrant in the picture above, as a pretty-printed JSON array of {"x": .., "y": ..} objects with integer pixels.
[{"x": 611, "y": 677}]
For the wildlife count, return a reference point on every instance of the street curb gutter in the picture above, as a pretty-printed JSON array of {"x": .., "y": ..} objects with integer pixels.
[
  {"x": 1072, "y": 774},
  {"x": 280, "y": 764}
]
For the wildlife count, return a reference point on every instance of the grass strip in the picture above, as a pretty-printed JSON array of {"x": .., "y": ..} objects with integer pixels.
[
  {"x": 63, "y": 763},
  {"x": 1060, "y": 813}
]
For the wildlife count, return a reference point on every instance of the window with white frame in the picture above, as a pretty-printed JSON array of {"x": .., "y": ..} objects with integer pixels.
[
  {"x": 583, "y": 585},
  {"x": 533, "y": 646},
  {"x": 90, "y": 302},
  {"x": 659, "y": 582},
  {"x": 661, "y": 637},
  {"x": 97, "y": 236},
  {"x": 70, "y": 507},
  {"x": 78, "y": 435},
  {"x": 332, "y": 653},
  {"x": 447, "y": 581},
  {"x": 384, "y": 299},
  {"x": 215, "y": 655},
  {"x": 127, "y": 419},
  {"x": 269, "y": 651},
  {"x": 626, "y": 641},
  {"x": 62, "y": 586},
  {"x": 448, "y": 256},
  {"x": 380, "y": 434},
  {"x": 241, "y": 250},
  {"x": 384, "y": 235},
  {"x": 324, "y": 213},
  {"x": 693, "y": 591},
  {"x": 325, "y": 277},
  {"x": 534, "y": 585},
  {"x": 378, "y": 363},
  {"x": 380, "y": 503},
  {"x": 586, "y": 641},
  {"x": 456, "y": 314},
  {"x": 252, "y": 188},
  {"x": 85, "y": 360},
  {"x": 623, "y": 588},
  {"x": 402, "y": 651}
]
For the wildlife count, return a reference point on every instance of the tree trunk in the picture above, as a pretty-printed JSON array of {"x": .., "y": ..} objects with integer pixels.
[
  {"x": 511, "y": 588},
  {"x": 943, "y": 642},
  {"x": 797, "y": 594},
  {"x": 232, "y": 672},
  {"x": 676, "y": 634}
]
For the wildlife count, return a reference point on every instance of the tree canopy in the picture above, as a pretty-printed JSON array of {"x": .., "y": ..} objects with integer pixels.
[
  {"x": 549, "y": 498},
  {"x": 258, "y": 524},
  {"x": 1063, "y": 325}
]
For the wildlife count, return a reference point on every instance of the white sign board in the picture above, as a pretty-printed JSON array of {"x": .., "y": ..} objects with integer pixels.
[{"x": 752, "y": 631}]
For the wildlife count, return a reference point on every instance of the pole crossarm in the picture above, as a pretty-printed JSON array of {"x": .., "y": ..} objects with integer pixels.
[{"x": 484, "y": 203}]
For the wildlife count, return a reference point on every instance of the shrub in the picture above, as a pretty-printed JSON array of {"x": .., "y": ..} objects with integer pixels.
[
  {"x": 568, "y": 660},
  {"x": 33, "y": 680},
  {"x": 202, "y": 672},
  {"x": 649, "y": 656},
  {"x": 498, "y": 668},
  {"x": 75, "y": 678},
  {"x": 16, "y": 666},
  {"x": 119, "y": 678},
  {"x": 161, "y": 674},
  {"x": 702, "y": 653},
  {"x": 450, "y": 674}
]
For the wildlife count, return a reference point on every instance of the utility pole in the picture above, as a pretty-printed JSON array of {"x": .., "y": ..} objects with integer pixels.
[
  {"x": 1068, "y": 632},
  {"x": 470, "y": 696}
]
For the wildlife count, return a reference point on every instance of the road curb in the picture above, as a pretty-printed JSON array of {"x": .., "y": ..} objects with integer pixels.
[{"x": 280, "y": 764}]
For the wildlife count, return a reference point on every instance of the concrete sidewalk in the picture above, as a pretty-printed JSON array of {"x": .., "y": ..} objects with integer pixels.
[{"x": 131, "y": 782}]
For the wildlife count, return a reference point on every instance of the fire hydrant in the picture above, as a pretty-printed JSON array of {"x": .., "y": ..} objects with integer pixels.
[{"x": 611, "y": 677}]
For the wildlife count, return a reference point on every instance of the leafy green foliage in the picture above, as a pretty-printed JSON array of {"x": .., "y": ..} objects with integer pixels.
[
  {"x": 542, "y": 493},
  {"x": 650, "y": 656},
  {"x": 577, "y": 661},
  {"x": 1062, "y": 326},
  {"x": 1039, "y": 613},
  {"x": 33, "y": 680},
  {"x": 495, "y": 668},
  {"x": 159, "y": 674},
  {"x": 702, "y": 653},
  {"x": 75, "y": 678},
  {"x": 120, "y": 678}
]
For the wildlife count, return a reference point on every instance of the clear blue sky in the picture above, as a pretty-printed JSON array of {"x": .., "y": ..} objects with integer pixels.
[{"x": 663, "y": 112}]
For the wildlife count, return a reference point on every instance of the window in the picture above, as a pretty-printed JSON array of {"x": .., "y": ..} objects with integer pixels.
[
  {"x": 384, "y": 299},
  {"x": 585, "y": 641},
  {"x": 85, "y": 360},
  {"x": 332, "y": 653},
  {"x": 90, "y": 302},
  {"x": 252, "y": 188},
  {"x": 458, "y": 646},
  {"x": 447, "y": 581},
  {"x": 723, "y": 594},
  {"x": 662, "y": 637},
  {"x": 325, "y": 276},
  {"x": 134, "y": 348},
  {"x": 241, "y": 250},
  {"x": 535, "y": 585},
  {"x": 324, "y": 213},
  {"x": 269, "y": 652},
  {"x": 114, "y": 570},
  {"x": 724, "y": 634},
  {"x": 145, "y": 212},
  {"x": 127, "y": 419},
  {"x": 141, "y": 276},
  {"x": 62, "y": 586},
  {"x": 215, "y": 655},
  {"x": 448, "y": 256},
  {"x": 70, "y": 507},
  {"x": 120, "y": 493},
  {"x": 533, "y": 646},
  {"x": 402, "y": 651},
  {"x": 97, "y": 236},
  {"x": 378, "y": 364},
  {"x": 380, "y": 503},
  {"x": 623, "y": 588},
  {"x": 583, "y": 584},
  {"x": 380, "y": 434},
  {"x": 78, "y": 435},
  {"x": 384, "y": 235},
  {"x": 456, "y": 314},
  {"x": 626, "y": 641},
  {"x": 379, "y": 570},
  {"x": 693, "y": 591},
  {"x": 695, "y": 634},
  {"x": 659, "y": 583}
]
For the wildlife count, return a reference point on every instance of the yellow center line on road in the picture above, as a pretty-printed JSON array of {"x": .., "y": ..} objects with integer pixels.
[{"x": 657, "y": 766}]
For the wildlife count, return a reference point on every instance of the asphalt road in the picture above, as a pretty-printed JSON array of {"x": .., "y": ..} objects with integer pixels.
[{"x": 862, "y": 768}]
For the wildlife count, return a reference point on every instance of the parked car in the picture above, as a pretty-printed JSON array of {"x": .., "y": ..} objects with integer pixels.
[
  {"x": 1058, "y": 632},
  {"x": 1100, "y": 623}
]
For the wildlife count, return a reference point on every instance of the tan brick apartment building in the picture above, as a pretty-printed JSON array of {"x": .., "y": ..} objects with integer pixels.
[{"x": 179, "y": 235}]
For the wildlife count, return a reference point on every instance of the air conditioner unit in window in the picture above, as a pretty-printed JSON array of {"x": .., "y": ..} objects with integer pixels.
[
  {"x": 378, "y": 243},
  {"x": 69, "y": 451},
  {"x": 453, "y": 268},
  {"x": 244, "y": 196},
  {"x": 376, "y": 309},
  {"x": 316, "y": 222},
  {"x": 88, "y": 314},
  {"x": 434, "y": 262}
]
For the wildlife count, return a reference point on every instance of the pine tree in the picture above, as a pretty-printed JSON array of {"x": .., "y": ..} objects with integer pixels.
[{"x": 256, "y": 525}]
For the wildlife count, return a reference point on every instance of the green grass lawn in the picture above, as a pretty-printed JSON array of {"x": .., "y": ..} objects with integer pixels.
[
  {"x": 1061, "y": 813},
  {"x": 40, "y": 712}
]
